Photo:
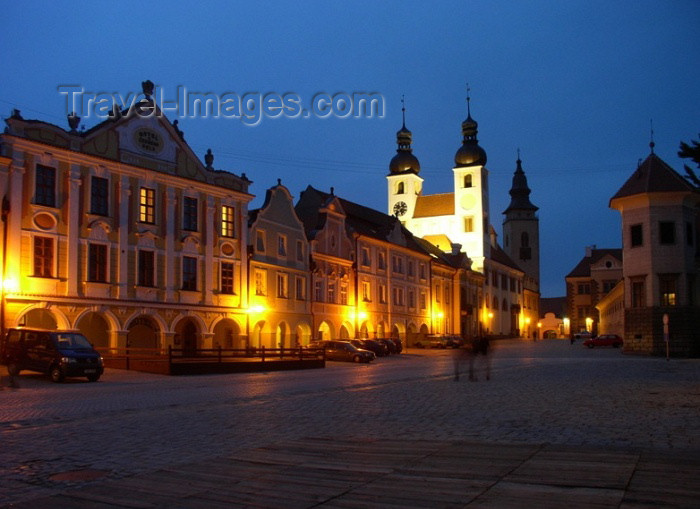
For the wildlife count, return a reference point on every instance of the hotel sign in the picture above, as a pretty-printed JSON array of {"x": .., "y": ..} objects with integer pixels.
[{"x": 148, "y": 140}]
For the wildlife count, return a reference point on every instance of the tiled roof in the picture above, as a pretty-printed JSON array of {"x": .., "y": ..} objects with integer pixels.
[
  {"x": 583, "y": 269},
  {"x": 500, "y": 256},
  {"x": 653, "y": 176},
  {"x": 435, "y": 205}
]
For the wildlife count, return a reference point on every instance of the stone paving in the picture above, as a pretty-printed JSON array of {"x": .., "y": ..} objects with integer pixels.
[{"x": 55, "y": 437}]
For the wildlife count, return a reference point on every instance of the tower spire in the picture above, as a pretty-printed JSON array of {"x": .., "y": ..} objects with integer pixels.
[
  {"x": 469, "y": 112},
  {"x": 403, "y": 110},
  {"x": 651, "y": 135}
]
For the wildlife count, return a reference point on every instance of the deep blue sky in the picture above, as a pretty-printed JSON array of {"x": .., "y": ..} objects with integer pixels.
[{"x": 573, "y": 84}]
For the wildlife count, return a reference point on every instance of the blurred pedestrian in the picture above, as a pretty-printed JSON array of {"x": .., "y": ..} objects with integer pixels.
[
  {"x": 460, "y": 354},
  {"x": 481, "y": 347}
]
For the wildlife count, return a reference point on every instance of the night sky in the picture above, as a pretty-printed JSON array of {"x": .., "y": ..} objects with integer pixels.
[{"x": 573, "y": 85}]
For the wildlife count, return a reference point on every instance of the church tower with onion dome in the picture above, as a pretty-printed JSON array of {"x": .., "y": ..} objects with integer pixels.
[{"x": 404, "y": 184}]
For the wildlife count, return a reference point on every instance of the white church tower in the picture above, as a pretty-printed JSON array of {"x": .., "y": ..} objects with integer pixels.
[{"x": 404, "y": 184}]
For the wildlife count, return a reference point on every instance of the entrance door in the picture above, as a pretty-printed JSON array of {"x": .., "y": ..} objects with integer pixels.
[{"x": 189, "y": 339}]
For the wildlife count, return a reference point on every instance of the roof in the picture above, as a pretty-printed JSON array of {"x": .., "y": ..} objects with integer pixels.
[
  {"x": 556, "y": 305},
  {"x": 435, "y": 205},
  {"x": 583, "y": 269},
  {"x": 364, "y": 221},
  {"x": 440, "y": 240},
  {"x": 500, "y": 256},
  {"x": 653, "y": 176}
]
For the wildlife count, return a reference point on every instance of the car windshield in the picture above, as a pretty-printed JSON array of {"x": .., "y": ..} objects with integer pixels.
[{"x": 72, "y": 341}]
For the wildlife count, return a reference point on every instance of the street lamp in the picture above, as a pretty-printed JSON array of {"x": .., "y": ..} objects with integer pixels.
[{"x": 5, "y": 213}]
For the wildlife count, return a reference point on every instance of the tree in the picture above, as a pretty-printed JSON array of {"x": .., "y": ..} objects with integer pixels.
[{"x": 691, "y": 151}]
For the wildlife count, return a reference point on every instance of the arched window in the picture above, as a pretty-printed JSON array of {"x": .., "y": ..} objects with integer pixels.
[
  {"x": 400, "y": 188},
  {"x": 504, "y": 307},
  {"x": 524, "y": 240},
  {"x": 468, "y": 180},
  {"x": 495, "y": 303}
]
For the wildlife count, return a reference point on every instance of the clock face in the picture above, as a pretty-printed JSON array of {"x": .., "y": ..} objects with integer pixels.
[
  {"x": 467, "y": 202},
  {"x": 400, "y": 208}
]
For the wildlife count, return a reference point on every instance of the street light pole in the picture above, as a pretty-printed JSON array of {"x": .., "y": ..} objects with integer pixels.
[{"x": 5, "y": 213}]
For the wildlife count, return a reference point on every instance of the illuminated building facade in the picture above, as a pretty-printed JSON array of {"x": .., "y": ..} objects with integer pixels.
[
  {"x": 120, "y": 231},
  {"x": 460, "y": 220},
  {"x": 278, "y": 289},
  {"x": 592, "y": 279},
  {"x": 660, "y": 223},
  {"x": 404, "y": 287}
]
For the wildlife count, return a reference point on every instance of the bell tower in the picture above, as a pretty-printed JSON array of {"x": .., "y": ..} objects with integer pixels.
[
  {"x": 403, "y": 183},
  {"x": 471, "y": 194},
  {"x": 521, "y": 226}
]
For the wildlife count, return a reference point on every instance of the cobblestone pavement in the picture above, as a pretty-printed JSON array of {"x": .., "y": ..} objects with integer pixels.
[{"x": 56, "y": 436}]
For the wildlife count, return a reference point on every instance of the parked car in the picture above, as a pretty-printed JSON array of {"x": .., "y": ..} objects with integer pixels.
[
  {"x": 389, "y": 344},
  {"x": 604, "y": 340},
  {"x": 57, "y": 353},
  {"x": 379, "y": 349},
  {"x": 343, "y": 351},
  {"x": 583, "y": 335},
  {"x": 431, "y": 342},
  {"x": 454, "y": 341},
  {"x": 399, "y": 345}
]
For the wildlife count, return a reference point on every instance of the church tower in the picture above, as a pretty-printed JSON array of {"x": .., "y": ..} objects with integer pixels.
[
  {"x": 521, "y": 227},
  {"x": 404, "y": 184},
  {"x": 471, "y": 195}
]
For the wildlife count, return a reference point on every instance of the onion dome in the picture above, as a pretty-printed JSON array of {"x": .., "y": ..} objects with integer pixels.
[
  {"x": 404, "y": 161},
  {"x": 470, "y": 153}
]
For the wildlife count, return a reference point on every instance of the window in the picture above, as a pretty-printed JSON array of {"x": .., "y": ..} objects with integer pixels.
[
  {"x": 437, "y": 293},
  {"x": 97, "y": 263},
  {"x": 421, "y": 270},
  {"x": 667, "y": 287},
  {"x": 300, "y": 289},
  {"x": 504, "y": 282},
  {"x": 281, "y": 245},
  {"x": 343, "y": 293},
  {"x": 486, "y": 276},
  {"x": 636, "y": 236},
  {"x": 147, "y": 205},
  {"x": 260, "y": 282},
  {"x": 227, "y": 275},
  {"x": 382, "y": 294},
  {"x": 43, "y": 256},
  {"x": 398, "y": 264},
  {"x": 45, "y": 186},
  {"x": 398, "y": 297},
  {"x": 423, "y": 300},
  {"x": 512, "y": 284},
  {"x": 282, "y": 286},
  {"x": 146, "y": 275},
  {"x": 667, "y": 232},
  {"x": 608, "y": 284},
  {"x": 400, "y": 188},
  {"x": 228, "y": 221},
  {"x": 189, "y": 273},
  {"x": 494, "y": 279},
  {"x": 469, "y": 224},
  {"x": 468, "y": 180},
  {"x": 584, "y": 289},
  {"x": 366, "y": 291},
  {"x": 447, "y": 295},
  {"x": 365, "y": 257},
  {"x": 318, "y": 291},
  {"x": 260, "y": 241},
  {"x": 300, "y": 251},
  {"x": 411, "y": 299},
  {"x": 524, "y": 239},
  {"x": 381, "y": 260},
  {"x": 189, "y": 214},
  {"x": 410, "y": 269},
  {"x": 331, "y": 293},
  {"x": 638, "y": 297},
  {"x": 99, "y": 196}
]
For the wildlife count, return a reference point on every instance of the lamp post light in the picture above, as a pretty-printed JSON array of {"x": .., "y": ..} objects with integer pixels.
[{"x": 5, "y": 214}]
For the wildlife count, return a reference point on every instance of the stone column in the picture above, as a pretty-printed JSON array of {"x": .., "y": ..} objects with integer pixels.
[
  {"x": 73, "y": 247},
  {"x": 208, "y": 238},
  {"x": 124, "y": 197},
  {"x": 171, "y": 225}
]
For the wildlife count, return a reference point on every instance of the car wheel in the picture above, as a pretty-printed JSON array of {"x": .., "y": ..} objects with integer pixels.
[
  {"x": 13, "y": 369},
  {"x": 356, "y": 358},
  {"x": 616, "y": 345},
  {"x": 590, "y": 345},
  {"x": 93, "y": 378},
  {"x": 56, "y": 374}
]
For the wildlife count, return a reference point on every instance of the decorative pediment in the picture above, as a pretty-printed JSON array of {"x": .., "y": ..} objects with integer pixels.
[
  {"x": 99, "y": 229},
  {"x": 147, "y": 238},
  {"x": 190, "y": 243}
]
